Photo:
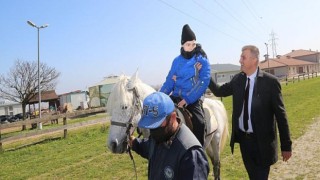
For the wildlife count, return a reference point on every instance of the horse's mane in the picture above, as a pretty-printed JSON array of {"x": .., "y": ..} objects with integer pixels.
[{"x": 119, "y": 96}]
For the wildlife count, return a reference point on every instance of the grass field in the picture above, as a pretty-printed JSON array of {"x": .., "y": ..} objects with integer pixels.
[{"x": 83, "y": 155}]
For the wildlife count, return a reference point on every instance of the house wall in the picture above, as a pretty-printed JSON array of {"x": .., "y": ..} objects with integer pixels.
[
  {"x": 94, "y": 94},
  {"x": 79, "y": 99},
  {"x": 76, "y": 99},
  {"x": 63, "y": 99},
  {"x": 294, "y": 70},
  {"x": 310, "y": 58},
  {"x": 10, "y": 109},
  {"x": 223, "y": 77},
  {"x": 280, "y": 72},
  {"x": 105, "y": 91},
  {"x": 99, "y": 94},
  {"x": 313, "y": 68}
]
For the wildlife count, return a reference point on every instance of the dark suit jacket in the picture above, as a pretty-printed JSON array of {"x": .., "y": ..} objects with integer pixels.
[{"x": 266, "y": 104}]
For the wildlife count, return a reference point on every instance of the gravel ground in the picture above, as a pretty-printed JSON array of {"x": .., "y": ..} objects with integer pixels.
[{"x": 305, "y": 160}]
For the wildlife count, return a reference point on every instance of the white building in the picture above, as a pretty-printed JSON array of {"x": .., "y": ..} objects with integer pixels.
[
  {"x": 78, "y": 99},
  {"x": 223, "y": 73},
  {"x": 10, "y": 108}
]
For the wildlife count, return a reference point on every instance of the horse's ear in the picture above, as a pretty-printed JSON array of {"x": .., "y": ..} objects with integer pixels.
[
  {"x": 133, "y": 80},
  {"x": 134, "y": 77}
]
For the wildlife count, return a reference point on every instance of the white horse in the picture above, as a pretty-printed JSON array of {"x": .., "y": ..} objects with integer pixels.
[{"x": 125, "y": 106}]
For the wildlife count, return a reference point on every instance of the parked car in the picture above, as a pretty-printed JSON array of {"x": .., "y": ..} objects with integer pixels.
[
  {"x": 4, "y": 119},
  {"x": 8, "y": 118},
  {"x": 19, "y": 116}
]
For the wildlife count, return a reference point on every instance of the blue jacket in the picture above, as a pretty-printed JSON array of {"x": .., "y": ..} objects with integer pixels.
[{"x": 190, "y": 83}]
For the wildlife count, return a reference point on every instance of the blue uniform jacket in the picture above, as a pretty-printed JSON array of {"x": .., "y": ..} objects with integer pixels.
[
  {"x": 190, "y": 84},
  {"x": 184, "y": 159}
]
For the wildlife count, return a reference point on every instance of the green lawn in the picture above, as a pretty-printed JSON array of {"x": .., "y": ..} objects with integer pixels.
[{"x": 83, "y": 155}]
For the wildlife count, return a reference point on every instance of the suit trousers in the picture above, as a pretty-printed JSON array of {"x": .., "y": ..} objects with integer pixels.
[{"x": 251, "y": 158}]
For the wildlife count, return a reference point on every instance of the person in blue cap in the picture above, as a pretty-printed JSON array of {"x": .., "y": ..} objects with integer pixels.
[
  {"x": 172, "y": 149},
  {"x": 187, "y": 83}
]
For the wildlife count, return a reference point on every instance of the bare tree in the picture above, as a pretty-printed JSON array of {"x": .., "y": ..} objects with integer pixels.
[{"x": 21, "y": 82}]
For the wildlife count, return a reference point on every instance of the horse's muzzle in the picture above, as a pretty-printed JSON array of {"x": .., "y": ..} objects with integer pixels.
[{"x": 117, "y": 148}]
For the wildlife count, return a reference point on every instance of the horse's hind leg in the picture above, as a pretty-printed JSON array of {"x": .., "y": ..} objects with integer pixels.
[{"x": 214, "y": 155}]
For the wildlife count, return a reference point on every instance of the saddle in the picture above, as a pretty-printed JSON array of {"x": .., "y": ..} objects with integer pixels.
[
  {"x": 187, "y": 117},
  {"x": 211, "y": 124}
]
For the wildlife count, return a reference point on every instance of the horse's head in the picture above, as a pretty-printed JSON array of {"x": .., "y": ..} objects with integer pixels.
[{"x": 125, "y": 107}]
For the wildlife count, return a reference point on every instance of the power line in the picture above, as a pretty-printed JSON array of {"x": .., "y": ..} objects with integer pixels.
[
  {"x": 225, "y": 9},
  {"x": 196, "y": 19},
  {"x": 253, "y": 14},
  {"x": 208, "y": 11}
]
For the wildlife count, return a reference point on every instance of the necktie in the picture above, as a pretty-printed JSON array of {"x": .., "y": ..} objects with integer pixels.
[{"x": 245, "y": 108}]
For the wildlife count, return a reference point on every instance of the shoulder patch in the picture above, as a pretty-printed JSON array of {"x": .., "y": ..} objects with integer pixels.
[{"x": 168, "y": 172}]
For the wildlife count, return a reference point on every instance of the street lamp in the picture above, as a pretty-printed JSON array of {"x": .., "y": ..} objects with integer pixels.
[{"x": 39, "y": 90}]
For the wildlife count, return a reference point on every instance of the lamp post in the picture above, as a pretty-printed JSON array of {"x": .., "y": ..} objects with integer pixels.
[{"x": 39, "y": 90}]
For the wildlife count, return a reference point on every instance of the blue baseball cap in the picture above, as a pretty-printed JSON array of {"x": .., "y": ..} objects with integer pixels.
[{"x": 156, "y": 107}]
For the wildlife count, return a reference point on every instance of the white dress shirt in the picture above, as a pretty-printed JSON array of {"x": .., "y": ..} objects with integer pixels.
[{"x": 252, "y": 80}]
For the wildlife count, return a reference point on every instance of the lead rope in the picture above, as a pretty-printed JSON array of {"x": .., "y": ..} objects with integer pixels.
[
  {"x": 138, "y": 104},
  {"x": 129, "y": 149}
]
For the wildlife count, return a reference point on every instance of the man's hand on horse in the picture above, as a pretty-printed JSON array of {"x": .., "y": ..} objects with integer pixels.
[
  {"x": 198, "y": 66},
  {"x": 174, "y": 78}
]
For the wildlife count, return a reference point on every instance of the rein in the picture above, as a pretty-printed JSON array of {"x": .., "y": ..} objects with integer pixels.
[{"x": 129, "y": 125}]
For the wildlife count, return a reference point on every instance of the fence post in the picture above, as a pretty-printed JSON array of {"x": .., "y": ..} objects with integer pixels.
[
  {"x": 1, "y": 149},
  {"x": 65, "y": 131}
]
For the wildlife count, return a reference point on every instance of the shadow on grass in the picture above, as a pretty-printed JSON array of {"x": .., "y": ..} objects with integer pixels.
[{"x": 34, "y": 143}]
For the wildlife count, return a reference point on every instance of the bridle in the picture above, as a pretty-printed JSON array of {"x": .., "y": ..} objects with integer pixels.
[{"x": 137, "y": 108}]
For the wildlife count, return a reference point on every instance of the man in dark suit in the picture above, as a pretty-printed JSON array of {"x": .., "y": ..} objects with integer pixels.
[{"x": 257, "y": 110}]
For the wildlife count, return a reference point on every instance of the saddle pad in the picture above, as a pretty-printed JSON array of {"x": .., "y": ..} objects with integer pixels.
[{"x": 211, "y": 124}]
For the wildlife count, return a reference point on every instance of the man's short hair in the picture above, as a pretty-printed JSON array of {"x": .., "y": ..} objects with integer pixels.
[{"x": 253, "y": 49}]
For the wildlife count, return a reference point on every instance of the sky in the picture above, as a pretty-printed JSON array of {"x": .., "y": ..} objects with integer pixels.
[{"x": 87, "y": 40}]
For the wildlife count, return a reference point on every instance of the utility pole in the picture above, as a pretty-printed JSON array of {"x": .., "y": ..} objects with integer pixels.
[
  {"x": 267, "y": 56},
  {"x": 273, "y": 44}
]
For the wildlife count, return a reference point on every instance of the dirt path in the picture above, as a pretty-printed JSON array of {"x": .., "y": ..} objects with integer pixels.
[{"x": 305, "y": 162}]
